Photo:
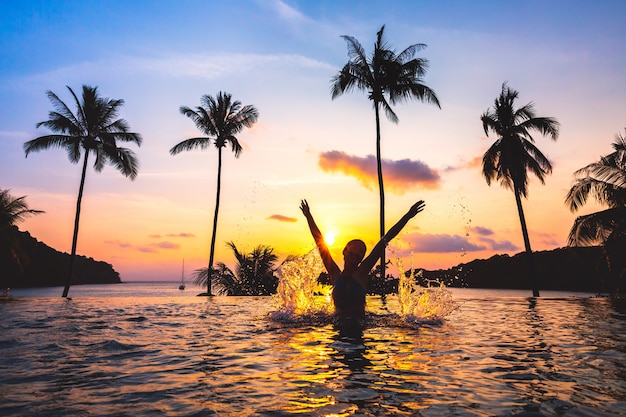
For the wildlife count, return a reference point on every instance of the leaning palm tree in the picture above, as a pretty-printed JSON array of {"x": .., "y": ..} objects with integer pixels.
[
  {"x": 220, "y": 118},
  {"x": 94, "y": 129},
  {"x": 514, "y": 154},
  {"x": 253, "y": 274},
  {"x": 605, "y": 182},
  {"x": 388, "y": 78}
]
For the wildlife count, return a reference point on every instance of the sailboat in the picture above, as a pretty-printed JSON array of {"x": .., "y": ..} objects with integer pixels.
[{"x": 182, "y": 278}]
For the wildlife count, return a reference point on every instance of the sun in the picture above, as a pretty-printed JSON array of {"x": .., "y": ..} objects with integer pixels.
[{"x": 330, "y": 237}]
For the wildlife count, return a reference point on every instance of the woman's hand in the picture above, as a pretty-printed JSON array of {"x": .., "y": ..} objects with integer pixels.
[
  {"x": 416, "y": 208},
  {"x": 304, "y": 206}
]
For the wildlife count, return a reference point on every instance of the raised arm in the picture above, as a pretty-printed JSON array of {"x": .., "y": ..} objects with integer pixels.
[
  {"x": 369, "y": 262},
  {"x": 331, "y": 266}
]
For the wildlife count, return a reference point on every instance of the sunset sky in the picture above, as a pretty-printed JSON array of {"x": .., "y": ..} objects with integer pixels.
[{"x": 568, "y": 57}]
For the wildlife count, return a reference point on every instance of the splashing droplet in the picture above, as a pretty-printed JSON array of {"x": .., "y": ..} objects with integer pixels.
[
  {"x": 299, "y": 292},
  {"x": 419, "y": 304}
]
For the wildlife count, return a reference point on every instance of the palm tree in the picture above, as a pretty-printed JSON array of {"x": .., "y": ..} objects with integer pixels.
[
  {"x": 220, "y": 118},
  {"x": 513, "y": 154},
  {"x": 94, "y": 129},
  {"x": 388, "y": 78},
  {"x": 253, "y": 275},
  {"x": 13, "y": 210},
  {"x": 605, "y": 182}
]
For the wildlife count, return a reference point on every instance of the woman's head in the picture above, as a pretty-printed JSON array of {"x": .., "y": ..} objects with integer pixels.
[{"x": 354, "y": 252}]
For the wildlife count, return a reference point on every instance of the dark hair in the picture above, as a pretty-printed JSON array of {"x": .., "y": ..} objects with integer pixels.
[{"x": 358, "y": 243}]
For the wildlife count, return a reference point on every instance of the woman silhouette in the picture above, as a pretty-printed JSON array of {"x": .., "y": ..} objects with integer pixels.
[{"x": 350, "y": 285}]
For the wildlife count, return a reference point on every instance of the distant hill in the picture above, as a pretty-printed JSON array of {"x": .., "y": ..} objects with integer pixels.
[
  {"x": 565, "y": 269},
  {"x": 43, "y": 266}
]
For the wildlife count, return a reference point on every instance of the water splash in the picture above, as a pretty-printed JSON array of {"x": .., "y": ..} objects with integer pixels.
[
  {"x": 301, "y": 300},
  {"x": 420, "y": 304},
  {"x": 299, "y": 294}
]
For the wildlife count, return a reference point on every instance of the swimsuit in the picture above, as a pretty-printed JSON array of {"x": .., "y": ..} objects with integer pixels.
[{"x": 347, "y": 293}]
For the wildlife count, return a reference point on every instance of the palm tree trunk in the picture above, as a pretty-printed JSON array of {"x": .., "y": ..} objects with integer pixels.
[
  {"x": 70, "y": 272},
  {"x": 217, "y": 208},
  {"x": 381, "y": 188},
  {"x": 532, "y": 271}
]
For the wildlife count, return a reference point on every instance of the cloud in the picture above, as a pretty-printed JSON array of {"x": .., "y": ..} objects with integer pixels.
[
  {"x": 16, "y": 135},
  {"x": 183, "y": 234},
  {"x": 548, "y": 239},
  {"x": 154, "y": 236},
  {"x": 287, "y": 12},
  {"x": 399, "y": 176},
  {"x": 145, "y": 249},
  {"x": 200, "y": 66},
  {"x": 502, "y": 245},
  {"x": 441, "y": 243},
  {"x": 151, "y": 248},
  {"x": 472, "y": 164},
  {"x": 166, "y": 245},
  {"x": 475, "y": 162},
  {"x": 483, "y": 231},
  {"x": 281, "y": 218},
  {"x": 119, "y": 244}
]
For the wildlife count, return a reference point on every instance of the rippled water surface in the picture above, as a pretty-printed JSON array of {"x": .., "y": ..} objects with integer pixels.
[{"x": 150, "y": 350}]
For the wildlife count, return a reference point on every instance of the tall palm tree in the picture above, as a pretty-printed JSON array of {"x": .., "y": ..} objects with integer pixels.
[
  {"x": 253, "y": 274},
  {"x": 220, "y": 118},
  {"x": 94, "y": 129},
  {"x": 13, "y": 210},
  {"x": 514, "y": 154},
  {"x": 388, "y": 78},
  {"x": 605, "y": 182}
]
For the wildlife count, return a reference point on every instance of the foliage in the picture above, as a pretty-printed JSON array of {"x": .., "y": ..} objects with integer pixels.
[
  {"x": 220, "y": 118},
  {"x": 253, "y": 274},
  {"x": 378, "y": 286},
  {"x": 94, "y": 128},
  {"x": 388, "y": 78},
  {"x": 514, "y": 154},
  {"x": 605, "y": 182},
  {"x": 13, "y": 209}
]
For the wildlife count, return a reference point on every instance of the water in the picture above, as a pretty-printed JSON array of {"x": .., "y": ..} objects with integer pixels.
[{"x": 152, "y": 350}]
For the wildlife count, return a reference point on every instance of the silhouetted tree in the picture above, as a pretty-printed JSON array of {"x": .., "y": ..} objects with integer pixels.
[
  {"x": 605, "y": 182},
  {"x": 253, "y": 274},
  {"x": 514, "y": 154},
  {"x": 94, "y": 129},
  {"x": 219, "y": 118},
  {"x": 388, "y": 78},
  {"x": 13, "y": 210}
]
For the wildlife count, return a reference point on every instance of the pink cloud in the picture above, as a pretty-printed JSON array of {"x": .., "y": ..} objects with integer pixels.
[
  {"x": 166, "y": 245},
  {"x": 281, "y": 218},
  {"x": 483, "y": 231},
  {"x": 444, "y": 243},
  {"x": 398, "y": 176},
  {"x": 145, "y": 249},
  {"x": 183, "y": 234}
]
